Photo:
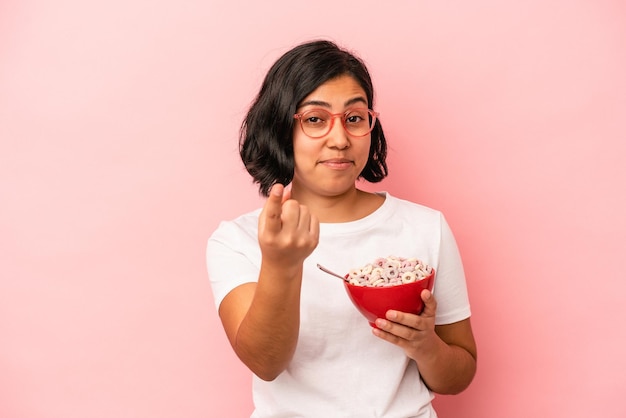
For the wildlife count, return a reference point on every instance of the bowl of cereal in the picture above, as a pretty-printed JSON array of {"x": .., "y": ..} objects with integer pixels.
[{"x": 389, "y": 283}]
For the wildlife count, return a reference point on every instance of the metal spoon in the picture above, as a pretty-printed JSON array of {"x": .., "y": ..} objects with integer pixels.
[{"x": 325, "y": 270}]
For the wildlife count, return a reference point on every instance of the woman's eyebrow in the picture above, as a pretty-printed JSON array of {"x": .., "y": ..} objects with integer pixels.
[
  {"x": 321, "y": 103},
  {"x": 315, "y": 103},
  {"x": 355, "y": 100}
]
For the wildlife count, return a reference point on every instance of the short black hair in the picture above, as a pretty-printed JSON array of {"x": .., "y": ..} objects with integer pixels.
[{"x": 266, "y": 134}]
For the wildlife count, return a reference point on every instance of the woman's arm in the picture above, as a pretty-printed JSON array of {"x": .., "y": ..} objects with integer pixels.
[
  {"x": 262, "y": 322},
  {"x": 262, "y": 319},
  {"x": 445, "y": 354}
]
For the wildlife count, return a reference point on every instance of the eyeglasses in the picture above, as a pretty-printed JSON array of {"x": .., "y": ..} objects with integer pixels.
[{"x": 316, "y": 123}]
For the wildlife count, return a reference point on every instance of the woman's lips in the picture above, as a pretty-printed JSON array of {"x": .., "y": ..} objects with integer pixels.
[{"x": 337, "y": 163}]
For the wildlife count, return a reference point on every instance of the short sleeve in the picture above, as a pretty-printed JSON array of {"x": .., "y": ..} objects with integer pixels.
[
  {"x": 450, "y": 288},
  {"x": 233, "y": 256}
]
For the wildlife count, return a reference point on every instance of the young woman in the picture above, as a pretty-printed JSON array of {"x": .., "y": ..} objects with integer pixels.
[{"x": 313, "y": 127}]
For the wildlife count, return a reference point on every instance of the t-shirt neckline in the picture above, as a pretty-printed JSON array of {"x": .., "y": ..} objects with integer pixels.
[{"x": 373, "y": 219}]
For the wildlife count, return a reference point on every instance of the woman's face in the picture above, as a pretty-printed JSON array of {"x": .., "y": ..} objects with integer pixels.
[{"x": 330, "y": 165}]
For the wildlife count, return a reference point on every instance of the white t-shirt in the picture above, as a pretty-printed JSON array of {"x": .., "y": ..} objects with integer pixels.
[{"x": 339, "y": 368}]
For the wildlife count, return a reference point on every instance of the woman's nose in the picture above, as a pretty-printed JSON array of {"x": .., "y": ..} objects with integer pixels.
[{"x": 338, "y": 137}]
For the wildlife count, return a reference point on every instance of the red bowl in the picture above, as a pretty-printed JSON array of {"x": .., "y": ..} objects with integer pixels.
[{"x": 374, "y": 302}]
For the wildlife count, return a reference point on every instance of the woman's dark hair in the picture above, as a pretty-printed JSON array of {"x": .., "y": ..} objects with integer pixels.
[{"x": 266, "y": 135}]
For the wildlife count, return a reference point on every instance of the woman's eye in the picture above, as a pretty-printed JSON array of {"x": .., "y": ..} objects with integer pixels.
[
  {"x": 354, "y": 119},
  {"x": 356, "y": 116},
  {"x": 314, "y": 118}
]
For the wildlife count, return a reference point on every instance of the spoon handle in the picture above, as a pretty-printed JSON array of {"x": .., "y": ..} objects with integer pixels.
[{"x": 325, "y": 270}]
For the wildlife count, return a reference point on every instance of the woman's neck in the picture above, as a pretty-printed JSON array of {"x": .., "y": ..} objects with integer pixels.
[{"x": 345, "y": 207}]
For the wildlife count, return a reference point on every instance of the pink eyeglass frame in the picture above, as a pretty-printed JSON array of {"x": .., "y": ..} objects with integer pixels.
[{"x": 371, "y": 112}]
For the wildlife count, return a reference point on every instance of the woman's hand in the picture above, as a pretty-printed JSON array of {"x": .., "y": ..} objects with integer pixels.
[
  {"x": 445, "y": 354},
  {"x": 288, "y": 231},
  {"x": 415, "y": 334}
]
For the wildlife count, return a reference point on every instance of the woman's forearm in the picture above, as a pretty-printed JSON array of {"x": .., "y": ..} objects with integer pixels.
[
  {"x": 268, "y": 334},
  {"x": 449, "y": 369}
]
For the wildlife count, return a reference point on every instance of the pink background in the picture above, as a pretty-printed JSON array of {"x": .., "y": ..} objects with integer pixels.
[{"x": 118, "y": 157}]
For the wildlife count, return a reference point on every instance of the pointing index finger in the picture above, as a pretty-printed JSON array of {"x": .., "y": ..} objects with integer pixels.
[{"x": 270, "y": 215}]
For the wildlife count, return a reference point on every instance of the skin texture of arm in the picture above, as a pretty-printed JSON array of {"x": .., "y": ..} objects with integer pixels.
[
  {"x": 445, "y": 354},
  {"x": 262, "y": 319}
]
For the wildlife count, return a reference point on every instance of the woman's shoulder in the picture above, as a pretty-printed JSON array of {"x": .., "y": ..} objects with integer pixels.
[
  {"x": 245, "y": 224},
  {"x": 400, "y": 205}
]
